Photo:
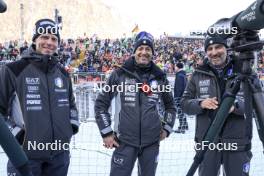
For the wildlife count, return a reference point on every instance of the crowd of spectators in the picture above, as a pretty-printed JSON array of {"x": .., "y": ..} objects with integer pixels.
[{"x": 98, "y": 55}]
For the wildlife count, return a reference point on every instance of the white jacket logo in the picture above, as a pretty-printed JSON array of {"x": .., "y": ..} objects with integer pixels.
[
  {"x": 32, "y": 81},
  {"x": 204, "y": 83},
  {"x": 59, "y": 82},
  {"x": 154, "y": 84}
]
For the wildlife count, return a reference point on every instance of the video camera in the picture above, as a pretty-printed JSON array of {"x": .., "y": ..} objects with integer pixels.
[
  {"x": 251, "y": 19},
  {"x": 241, "y": 30},
  {"x": 2, "y": 6}
]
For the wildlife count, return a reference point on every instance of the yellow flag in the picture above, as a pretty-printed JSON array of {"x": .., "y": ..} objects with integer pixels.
[{"x": 135, "y": 29}]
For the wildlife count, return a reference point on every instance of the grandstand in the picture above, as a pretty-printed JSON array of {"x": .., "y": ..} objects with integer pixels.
[{"x": 93, "y": 45}]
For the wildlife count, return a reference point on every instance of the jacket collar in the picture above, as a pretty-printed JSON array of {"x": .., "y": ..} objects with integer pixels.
[
  {"x": 208, "y": 69},
  {"x": 130, "y": 68},
  {"x": 44, "y": 62}
]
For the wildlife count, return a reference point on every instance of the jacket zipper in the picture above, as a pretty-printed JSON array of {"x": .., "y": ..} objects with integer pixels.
[
  {"x": 139, "y": 99},
  {"x": 50, "y": 114}
]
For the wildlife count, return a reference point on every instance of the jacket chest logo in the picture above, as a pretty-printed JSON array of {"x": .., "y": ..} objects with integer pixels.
[
  {"x": 154, "y": 84},
  {"x": 32, "y": 81},
  {"x": 204, "y": 88},
  {"x": 204, "y": 83},
  {"x": 59, "y": 82},
  {"x": 130, "y": 81}
]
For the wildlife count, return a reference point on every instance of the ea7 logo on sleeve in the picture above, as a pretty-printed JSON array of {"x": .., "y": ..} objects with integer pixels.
[{"x": 32, "y": 81}]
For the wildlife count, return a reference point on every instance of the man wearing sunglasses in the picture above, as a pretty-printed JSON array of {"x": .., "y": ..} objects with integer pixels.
[{"x": 138, "y": 128}]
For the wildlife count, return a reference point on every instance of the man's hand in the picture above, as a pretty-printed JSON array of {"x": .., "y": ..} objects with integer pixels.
[
  {"x": 209, "y": 103},
  {"x": 110, "y": 142},
  {"x": 163, "y": 134}
]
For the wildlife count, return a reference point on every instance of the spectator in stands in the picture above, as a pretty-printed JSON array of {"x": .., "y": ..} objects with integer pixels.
[
  {"x": 120, "y": 50},
  {"x": 37, "y": 97},
  {"x": 177, "y": 55},
  {"x": 139, "y": 130},
  {"x": 202, "y": 97},
  {"x": 105, "y": 67},
  {"x": 2, "y": 52},
  {"x": 179, "y": 86},
  {"x": 23, "y": 48}
]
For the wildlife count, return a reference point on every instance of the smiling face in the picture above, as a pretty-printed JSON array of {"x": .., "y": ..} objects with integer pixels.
[
  {"x": 46, "y": 44},
  {"x": 216, "y": 54},
  {"x": 143, "y": 55}
]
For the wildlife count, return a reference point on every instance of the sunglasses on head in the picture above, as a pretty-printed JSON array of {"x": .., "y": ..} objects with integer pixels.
[{"x": 144, "y": 35}]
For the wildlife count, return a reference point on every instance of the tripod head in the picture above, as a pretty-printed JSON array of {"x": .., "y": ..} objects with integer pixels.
[
  {"x": 246, "y": 41},
  {"x": 243, "y": 47}
]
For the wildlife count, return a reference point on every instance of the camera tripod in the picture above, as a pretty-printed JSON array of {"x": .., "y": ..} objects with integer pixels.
[{"x": 244, "y": 45}]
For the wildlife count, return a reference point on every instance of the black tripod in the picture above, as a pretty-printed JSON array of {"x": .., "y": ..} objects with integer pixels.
[{"x": 244, "y": 45}]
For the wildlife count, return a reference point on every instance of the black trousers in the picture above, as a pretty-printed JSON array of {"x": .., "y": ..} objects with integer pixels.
[
  {"x": 235, "y": 163},
  {"x": 124, "y": 157},
  {"x": 56, "y": 166}
]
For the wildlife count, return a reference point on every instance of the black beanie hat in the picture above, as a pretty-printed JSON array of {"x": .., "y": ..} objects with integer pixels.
[
  {"x": 144, "y": 38},
  {"x": 179, "y": 65},
  {"x": 214, "y": 40},
  {"x": 45, "y": 26}
]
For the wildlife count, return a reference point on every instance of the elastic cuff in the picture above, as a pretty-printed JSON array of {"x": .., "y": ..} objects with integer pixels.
[
  {"x": 107, "y": 134},
  {"x": 16, "y": 130},
  {"x": 168, "y": 133},
  {"x": 75, "y": 122},
  {"x": 106, "y": 130},
  {"x": 167, "y": 128}
]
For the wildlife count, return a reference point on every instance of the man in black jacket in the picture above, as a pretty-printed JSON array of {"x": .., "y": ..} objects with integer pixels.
[
  {"x": 202, "y": 97},
  {"x": 138, "y": 129},
  {"x": 37, "y": 98},
  {"x": 179, "y": 86}
]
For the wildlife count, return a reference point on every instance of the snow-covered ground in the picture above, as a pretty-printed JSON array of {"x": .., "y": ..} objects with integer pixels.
[{"x": 89, "y": 157}]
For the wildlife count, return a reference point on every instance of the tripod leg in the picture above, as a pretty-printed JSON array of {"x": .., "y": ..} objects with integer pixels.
[
  {"x": 13, "y": 150},
  {"x": 212, "y": 132},
  {"x": 259, "y": 113},
  {"x": 217, "y": 124},
  {"x": 258, "y": 102}
]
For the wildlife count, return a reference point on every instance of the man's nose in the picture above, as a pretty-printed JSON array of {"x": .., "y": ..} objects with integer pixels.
[
  {"x": 144, "y": 51},
  {"x": 214, "y": 51},
  {"x": 50, "y": 41}
]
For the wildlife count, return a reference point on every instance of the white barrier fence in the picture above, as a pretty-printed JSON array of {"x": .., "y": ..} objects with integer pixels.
[{"x": 89, "y": 157}]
